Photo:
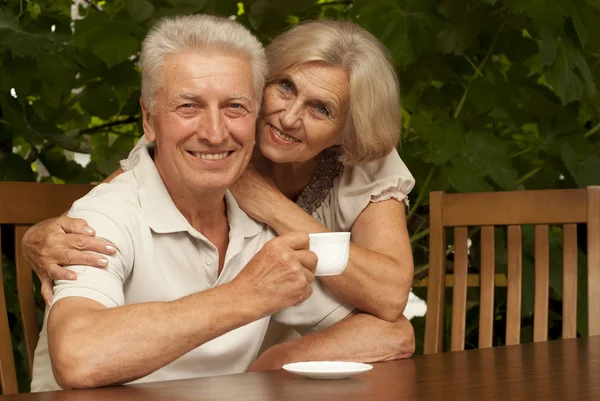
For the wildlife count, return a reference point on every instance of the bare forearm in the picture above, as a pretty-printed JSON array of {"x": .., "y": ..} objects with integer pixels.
[
  {"x": 372, "y": 282},
  {"x": 111, "y": 346},
  {"x": 359, "y": 338}
]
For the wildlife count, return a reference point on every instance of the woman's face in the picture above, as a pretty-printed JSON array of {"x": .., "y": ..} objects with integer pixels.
[{"x": 303, "y": 112}]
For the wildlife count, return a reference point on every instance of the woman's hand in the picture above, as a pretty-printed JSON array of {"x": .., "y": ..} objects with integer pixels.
[
  {"x": 54, "y": 243},
  {"x": 256, "y": 194}
]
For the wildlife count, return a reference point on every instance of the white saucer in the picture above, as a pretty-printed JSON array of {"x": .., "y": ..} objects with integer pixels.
[{"x": 327, "y": 369}]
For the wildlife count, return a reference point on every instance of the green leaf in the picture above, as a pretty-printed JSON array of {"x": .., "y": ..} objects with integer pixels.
[
  {"x": 464, "y": 176},
  {"x": 548, "y": 47},
  {"x": 101, "y": 102},
  {"x": 33, "y": 9},
  {"x": 15, "y": 168},
  {"x": 594, "y": 3},
  {"x": 445, "y": 138},
  {"x": 585, "y": 172},
  {"x": 481, "y": 95},
  {"x": 490, "y": 153},
  {"x": 8, "y": 20},
  {"x": 139, "y": 10},
  {"x": 563, "y": 81},
  {"x": 113, "y": 45}
]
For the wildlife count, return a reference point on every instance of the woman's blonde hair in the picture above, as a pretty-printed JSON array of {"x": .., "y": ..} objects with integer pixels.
[
  {"x": 198, "y": 32},
  {"x": 372, "y": 127}
]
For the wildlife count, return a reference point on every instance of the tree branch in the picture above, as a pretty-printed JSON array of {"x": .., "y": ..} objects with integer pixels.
[
  {"x": 421, "y": 194},
  {"x": 477, "y": 70},
  {"x": 94, "y": 5},
  {"x": 91, "y": 130},
  {"x": 592, "y": 131}
]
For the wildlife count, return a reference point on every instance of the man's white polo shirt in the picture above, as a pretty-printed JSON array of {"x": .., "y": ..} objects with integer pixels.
[{"x": 161, "y": 257}]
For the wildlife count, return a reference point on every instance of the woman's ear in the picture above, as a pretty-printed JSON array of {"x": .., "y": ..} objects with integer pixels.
[{"x": 147, "y": 123}]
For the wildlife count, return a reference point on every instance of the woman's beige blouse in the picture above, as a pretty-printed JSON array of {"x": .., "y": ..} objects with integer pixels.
[{"x": 337, "y": 194}]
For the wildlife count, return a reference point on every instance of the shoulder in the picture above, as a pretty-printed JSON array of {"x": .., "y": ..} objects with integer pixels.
[
  {"x": 391, "y": 167},
  {"x": 117, "y": 201}
]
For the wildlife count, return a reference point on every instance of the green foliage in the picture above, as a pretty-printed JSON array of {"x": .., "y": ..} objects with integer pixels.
[{"x": 497, "y": 94}]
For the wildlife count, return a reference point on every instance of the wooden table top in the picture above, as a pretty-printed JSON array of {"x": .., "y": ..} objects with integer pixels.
[{"x": 556, "y": 370}]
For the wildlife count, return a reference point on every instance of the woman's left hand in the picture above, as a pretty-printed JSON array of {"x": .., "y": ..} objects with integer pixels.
[{"x": 257, "y": 194}]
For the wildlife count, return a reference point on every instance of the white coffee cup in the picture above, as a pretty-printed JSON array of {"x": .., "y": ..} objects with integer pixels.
[{"x": 333, "y": 250}]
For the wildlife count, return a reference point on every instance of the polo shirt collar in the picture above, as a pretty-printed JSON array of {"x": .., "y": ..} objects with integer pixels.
[{"x": 162, "y": 215}]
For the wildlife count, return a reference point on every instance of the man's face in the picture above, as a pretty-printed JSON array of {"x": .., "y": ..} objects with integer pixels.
[{"x": 203, "y": 122}]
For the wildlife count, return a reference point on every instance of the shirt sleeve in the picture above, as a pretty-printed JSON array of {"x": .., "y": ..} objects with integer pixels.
[
  {"x": 134, "y": 156},
  {"x": 103, "y": 285},
  {"x": 379, "y": 180},
  {"x": 319, "y": 311}
]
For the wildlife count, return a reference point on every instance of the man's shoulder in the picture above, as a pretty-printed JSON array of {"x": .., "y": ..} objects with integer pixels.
[{"x": 116, "y": 200}]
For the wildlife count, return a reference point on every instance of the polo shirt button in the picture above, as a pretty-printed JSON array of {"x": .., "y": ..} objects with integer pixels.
[{"x": 209, "y": 261}]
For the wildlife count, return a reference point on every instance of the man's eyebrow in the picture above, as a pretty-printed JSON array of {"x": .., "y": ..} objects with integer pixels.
[
  {"x": 236, "y": 96},
  {"x": 196, "y": 96}
]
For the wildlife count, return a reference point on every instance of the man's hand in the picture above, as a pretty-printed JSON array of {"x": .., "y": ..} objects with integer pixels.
[
  {"x": 54, "y": 243},
  {"x": 280, "y": 274}
]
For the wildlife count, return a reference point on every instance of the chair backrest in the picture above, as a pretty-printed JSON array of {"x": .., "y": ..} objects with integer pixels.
[
  {"x": 23, "y": 204},
  {"x": 513, "y": 209}
]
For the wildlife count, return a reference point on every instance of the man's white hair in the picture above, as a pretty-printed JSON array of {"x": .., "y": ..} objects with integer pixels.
[{"x": 198, "y": 33}]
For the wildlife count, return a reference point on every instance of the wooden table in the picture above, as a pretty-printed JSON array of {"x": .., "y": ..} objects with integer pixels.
[{"x": 557, "y": 370}]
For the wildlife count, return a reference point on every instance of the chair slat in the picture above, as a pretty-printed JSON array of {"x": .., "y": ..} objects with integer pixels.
[
  {"x": 26, "y": 296},
  {"x": 459, "y": 293},
  {"x": 486, "y": 308},
  {"x": 515, "y": 262},
  {"x": 593, "y": 259},
  {"x": 514, "y": 208},
  {"x": 434, "y": 324},
  {"x": 569, "y": 312},
  {"x": 542, "y": 284},
  {"x": 8, "y": 373}
]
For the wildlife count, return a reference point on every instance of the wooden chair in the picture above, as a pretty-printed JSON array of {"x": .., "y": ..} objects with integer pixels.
[
  {"x": 512, "y": 209},
  {"x": 22, "y": 205}
]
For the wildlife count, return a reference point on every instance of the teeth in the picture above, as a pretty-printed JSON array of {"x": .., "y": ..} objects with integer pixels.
[
  {"x": 211, "y": 156},
  {"x": 284, "y": 136}
]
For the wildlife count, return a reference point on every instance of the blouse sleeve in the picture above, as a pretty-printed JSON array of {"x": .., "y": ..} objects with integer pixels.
[
  {"x": 134, "y": 156},
  {"x": 380, "y": 180}
]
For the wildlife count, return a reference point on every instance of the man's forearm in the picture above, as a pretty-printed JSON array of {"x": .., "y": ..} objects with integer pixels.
[
  {"x": 91, "y": 346},
  {"x": 358, "y": 338}
]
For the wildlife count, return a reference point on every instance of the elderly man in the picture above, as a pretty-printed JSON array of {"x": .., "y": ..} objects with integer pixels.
[{"x": 192, "y": 288}]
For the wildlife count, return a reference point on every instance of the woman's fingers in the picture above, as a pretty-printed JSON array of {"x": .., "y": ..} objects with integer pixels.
[
  {"x": 86, "y": 243},
  {"x": 74, "y": 226}
]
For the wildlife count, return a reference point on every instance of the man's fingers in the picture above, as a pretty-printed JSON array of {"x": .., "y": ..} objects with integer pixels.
[
  {"x": 47, "y": 292},
  {"x": 74, "y": 226},
  {"x": 296, "y": 240},
  {"x": 59, "y": 273},
  {"x": 87, "y": 243},
  {"x": 308, "y": 259}
]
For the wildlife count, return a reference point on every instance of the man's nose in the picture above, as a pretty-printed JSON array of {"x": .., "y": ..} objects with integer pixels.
[
  {"x": 291, "y": 116},
  {"x": 212, "y": 126}
]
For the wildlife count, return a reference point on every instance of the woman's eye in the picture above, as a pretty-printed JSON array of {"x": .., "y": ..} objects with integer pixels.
[
  {"x": 322, "y": 110},
  {"x": 286, "y": 86}
]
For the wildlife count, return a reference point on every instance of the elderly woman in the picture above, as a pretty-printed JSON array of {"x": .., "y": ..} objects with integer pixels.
[{"x": 327, "y": 133}]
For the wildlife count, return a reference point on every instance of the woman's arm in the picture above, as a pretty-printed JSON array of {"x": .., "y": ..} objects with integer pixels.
[
  {"x": 358, "y": 338},
  {"x": 63, "y": 241},
  {"x": 380, "y": 269}
]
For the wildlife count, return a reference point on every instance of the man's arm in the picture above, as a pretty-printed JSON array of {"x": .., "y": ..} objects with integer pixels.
[
  {"x": 358, "y": 338},
  {"x": 91, "y": 345}
]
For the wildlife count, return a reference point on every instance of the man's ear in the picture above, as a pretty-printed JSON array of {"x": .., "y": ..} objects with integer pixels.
[{"x": 147, "y": 123}]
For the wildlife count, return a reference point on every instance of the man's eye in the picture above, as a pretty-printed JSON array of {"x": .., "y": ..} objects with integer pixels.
[
  {"x": 235, "y": 106},
  {"x": 322, "y": 110},
  {"x": 186, "y": 106}
]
